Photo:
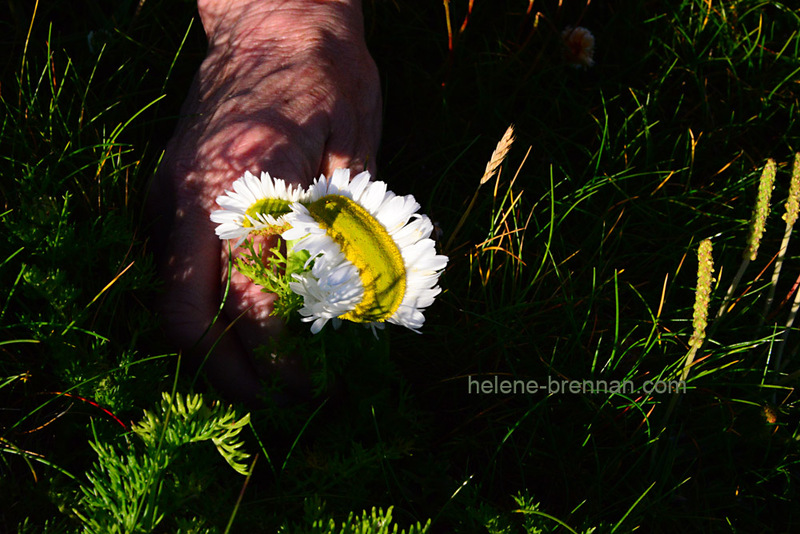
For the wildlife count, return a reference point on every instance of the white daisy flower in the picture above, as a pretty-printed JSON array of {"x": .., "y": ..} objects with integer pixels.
[
  {"x": 373, "y": 259},
  {"x": 253, "y": 205}
]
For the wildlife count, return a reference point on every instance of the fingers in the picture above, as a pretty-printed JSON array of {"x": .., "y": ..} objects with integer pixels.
[
  {"x": 247, "y": 305},
  {"x": 361, "y": 157},
  {"x": 355, "y": 152},
  {"x": 355, "y": 128},
  {"x": 227, "y": 364},
  {"x": 189, "y": 267},
  {"x": 189, "y": 263}
]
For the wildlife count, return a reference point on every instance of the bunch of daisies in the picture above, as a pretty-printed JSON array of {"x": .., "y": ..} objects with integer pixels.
[{"x": 361, "y": 253}]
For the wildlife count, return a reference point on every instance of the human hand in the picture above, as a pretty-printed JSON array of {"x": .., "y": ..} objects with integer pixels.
[{"x": 287, "y": 87}]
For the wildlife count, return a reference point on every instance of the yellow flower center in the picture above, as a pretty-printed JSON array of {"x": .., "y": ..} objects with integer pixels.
[
  {"x": 266, "y": 206},
  {"x": 367, "y": 245}
]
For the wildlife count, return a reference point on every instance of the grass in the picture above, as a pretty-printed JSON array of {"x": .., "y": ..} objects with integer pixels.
[{"x": 577, "y": 261}]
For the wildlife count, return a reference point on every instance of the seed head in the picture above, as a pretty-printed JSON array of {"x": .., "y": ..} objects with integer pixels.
[
  {"x": 702, "y": 297},
  {"x": 793, "y": 202},
  {"x": 499, "y": 154},
  {"x": 759, "y": 219}
]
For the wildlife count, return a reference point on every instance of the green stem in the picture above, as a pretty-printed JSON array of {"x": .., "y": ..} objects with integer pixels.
[
  {"x": 785, "y": 335},
  {"x": 736, "y": 279},
  {"x": 777, "y": 272}
]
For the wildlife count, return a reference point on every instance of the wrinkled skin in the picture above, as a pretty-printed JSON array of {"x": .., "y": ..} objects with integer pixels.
[{"x": 287, "y": 87}]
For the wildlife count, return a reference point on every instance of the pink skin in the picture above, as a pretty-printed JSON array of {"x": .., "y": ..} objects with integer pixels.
[{"x": 287, "y": 87}]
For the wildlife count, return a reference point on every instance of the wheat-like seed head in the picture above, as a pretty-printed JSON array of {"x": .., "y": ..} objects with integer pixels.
[
  {"x": 759, "y": 220},
  {"x": 793, "y": 202},
  {"x": 499, "y": 154},
  {"x": 702, "y": 299}
]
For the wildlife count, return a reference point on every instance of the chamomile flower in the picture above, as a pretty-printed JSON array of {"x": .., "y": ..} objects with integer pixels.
[
  {"x": 254, "y": 204},
  {"x": 373, "y": 259}
]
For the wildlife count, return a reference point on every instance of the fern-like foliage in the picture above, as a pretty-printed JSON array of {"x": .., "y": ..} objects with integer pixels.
[
  {"x": 189, "y": 420},
  {"x": 376, "y": 522},
  {"x": 129, "y": 491},
  {"x": 273, "y": 273},
  {"x": 527, "y": 518},
  {"x": 316, "y": 521}
]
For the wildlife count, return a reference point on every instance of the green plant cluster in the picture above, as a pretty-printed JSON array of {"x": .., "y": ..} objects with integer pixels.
[
  {"x": 273, "y": 272},
  {"x": 374, "y": 522},
  {"x": 135, "y": 490}
]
